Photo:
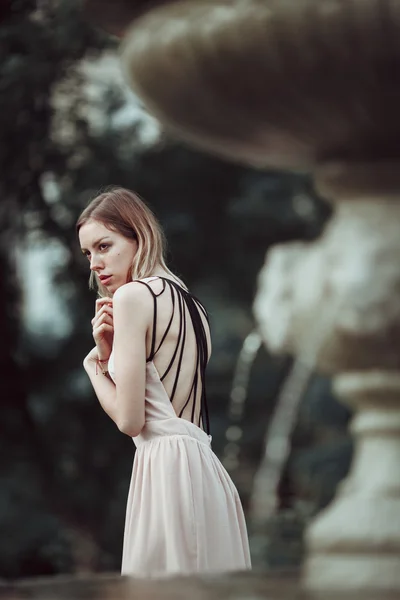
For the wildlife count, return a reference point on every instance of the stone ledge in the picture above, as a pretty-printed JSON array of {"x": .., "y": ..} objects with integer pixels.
[{"x": 111, "y": 586}]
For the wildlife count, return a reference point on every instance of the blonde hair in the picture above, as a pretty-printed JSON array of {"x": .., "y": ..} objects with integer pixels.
[{"x": 123, "y": 211}]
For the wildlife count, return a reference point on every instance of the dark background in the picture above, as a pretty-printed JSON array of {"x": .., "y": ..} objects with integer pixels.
[{"x": 65, "y": 468}]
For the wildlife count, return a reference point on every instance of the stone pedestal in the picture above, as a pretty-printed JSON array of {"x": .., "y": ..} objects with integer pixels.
[
  {"x": 355, "y": 542},
  {"x": 340, "y": 299}
]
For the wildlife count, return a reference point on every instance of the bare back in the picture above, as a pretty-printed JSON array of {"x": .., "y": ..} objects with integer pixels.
[{"x": 179, "y": 345}]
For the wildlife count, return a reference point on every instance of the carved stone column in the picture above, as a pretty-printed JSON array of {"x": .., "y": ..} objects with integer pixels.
[{"x": 312, "y": 85}]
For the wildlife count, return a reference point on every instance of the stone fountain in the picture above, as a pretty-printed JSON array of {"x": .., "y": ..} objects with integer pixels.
[{"x": 310, "y": 85}]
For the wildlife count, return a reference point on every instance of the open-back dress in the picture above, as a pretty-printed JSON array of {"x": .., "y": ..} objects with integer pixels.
[{"x": 183, "y": 513}]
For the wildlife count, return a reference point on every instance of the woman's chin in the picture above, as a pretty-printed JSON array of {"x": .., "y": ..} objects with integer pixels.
[{"x": 112, "y": 288}]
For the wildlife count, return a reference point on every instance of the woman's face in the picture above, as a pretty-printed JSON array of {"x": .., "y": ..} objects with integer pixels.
[{"x": 110, "y": 253}]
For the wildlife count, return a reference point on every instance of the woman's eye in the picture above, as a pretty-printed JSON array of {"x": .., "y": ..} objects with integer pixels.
[{"x": 103, "y": 246}]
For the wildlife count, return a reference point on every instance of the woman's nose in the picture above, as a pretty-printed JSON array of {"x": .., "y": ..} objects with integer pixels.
[{"x": 95, "y": 263}]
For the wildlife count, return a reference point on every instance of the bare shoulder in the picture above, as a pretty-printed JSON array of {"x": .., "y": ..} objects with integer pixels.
[{"x": 133, "y": 295}]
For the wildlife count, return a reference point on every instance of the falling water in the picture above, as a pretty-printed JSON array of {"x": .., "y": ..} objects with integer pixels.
[
  {"x": 238, "y": 396},
  {"x": 278, "y": 437},
  {"x": 277, "y": 444},
  {"x": 277, "y": 441}
]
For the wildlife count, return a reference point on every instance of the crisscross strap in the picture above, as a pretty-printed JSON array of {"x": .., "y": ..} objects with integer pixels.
[{"x": 181, "y": 298}]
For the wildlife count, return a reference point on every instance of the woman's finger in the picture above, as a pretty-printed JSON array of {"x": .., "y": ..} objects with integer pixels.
[
  {"x": 100, "y": 302},
  {"x": 103, "y": 326},
  {"x": 104, "y": 306},
  {"x": 103, "y": 318},
  {"x": 102, "y": 329},
  {"x": 104, "y": 310}
]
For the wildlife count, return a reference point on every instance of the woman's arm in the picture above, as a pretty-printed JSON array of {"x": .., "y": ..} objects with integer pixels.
[
  {"x": 125, "y": 402},
  {"x": 103, "y": 386},
  {"x": 133, "y": 316}
]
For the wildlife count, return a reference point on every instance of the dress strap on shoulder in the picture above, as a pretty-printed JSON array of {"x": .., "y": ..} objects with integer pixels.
[
  {"x": 155, "y": 296},
  {"x": 147, "y": 279}
]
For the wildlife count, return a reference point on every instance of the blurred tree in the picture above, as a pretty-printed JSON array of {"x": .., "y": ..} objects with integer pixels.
[{"x": 36, "y": 48}]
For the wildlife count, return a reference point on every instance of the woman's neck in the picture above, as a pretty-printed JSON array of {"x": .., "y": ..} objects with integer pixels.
[{"x": 161, "y": 272}]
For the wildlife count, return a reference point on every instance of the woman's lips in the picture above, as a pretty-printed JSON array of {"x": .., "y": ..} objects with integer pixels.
[{"x": 105, "y": 280}]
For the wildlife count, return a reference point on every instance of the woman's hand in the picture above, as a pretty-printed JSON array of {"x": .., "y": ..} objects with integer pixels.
[{"x": 103, "y": 328}]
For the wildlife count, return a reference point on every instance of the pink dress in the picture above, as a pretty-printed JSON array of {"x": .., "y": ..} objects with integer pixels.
[{"x": 183, "y": 513}]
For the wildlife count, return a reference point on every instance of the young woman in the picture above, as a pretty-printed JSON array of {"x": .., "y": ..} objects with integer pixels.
[{"x": 147, "y": 369}]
